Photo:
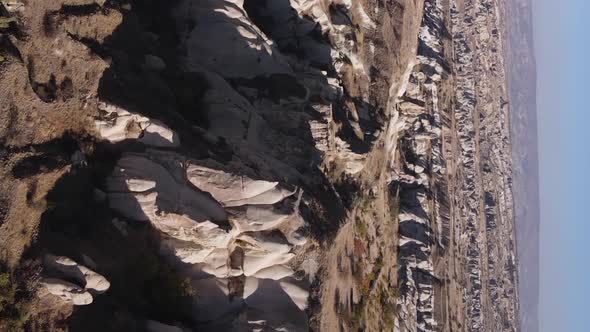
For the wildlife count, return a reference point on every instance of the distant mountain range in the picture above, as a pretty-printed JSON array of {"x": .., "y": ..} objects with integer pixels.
[{"x": 522, "y": 84}]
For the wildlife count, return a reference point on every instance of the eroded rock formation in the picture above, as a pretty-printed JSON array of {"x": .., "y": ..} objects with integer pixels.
[
  {"x": 84, "y": 282},
  {"x": 265, "y": 165},
  {"x": 458, "y": 267}
]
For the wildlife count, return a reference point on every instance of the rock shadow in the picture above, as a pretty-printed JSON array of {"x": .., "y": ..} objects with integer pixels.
[
  {"x": 78, "y": 224},
  {"x": 274, "y": 142}
]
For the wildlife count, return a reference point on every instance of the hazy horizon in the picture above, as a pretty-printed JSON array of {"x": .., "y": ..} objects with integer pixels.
[{"x": 561, "y": 39}]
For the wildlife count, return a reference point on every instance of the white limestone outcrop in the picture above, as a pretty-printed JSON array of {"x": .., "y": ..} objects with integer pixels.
[
  {"x": 120, "y": 124},
  {"x": 68, "y": 268},
  {"x": 271, "y": 91},
  {"x": 85, "y": 282},
  {"x": 67, "y": 291},
  {"x": 226, "y": 224},
  {"x": 196, "y": 204}
]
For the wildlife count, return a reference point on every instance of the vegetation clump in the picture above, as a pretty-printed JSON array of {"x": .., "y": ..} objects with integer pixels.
[
  {"x": 5, "y": 22},
  {"x": 14, "y": 311},
  {"x": 361, "y": 228}
]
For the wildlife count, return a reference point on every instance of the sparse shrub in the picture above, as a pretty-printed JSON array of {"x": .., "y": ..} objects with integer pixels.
[
  {"x": 387, "y": 301},
  {"x": 357, "y": 316},
  {"x": 14, "y": 313},
  {"x": 4, "y": 280},
  {"x": 5, "y": 22},
  {"x": 361, "y": 228},
  {"x": 365, "y": 286},
  {"x": 161, "y": 291}
]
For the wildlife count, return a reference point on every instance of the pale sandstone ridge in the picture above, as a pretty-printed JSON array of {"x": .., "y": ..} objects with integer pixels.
[
  {"x": 87, "y": 282},
  {"x": 287, "y": 165},
  {"x": 66, "y": 291},
  {"x": 119, "y": 125},
  {"x": 222, "y": 218},
  {"x": 260, "y": 56},
  {"x": 224, "y": 224}
]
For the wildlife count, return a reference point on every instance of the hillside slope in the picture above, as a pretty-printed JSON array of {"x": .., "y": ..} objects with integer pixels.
[{"x": 256, "y": 165}]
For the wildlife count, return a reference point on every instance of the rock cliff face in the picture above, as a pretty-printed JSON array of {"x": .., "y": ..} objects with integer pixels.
[{"x": 260, "y": 165}]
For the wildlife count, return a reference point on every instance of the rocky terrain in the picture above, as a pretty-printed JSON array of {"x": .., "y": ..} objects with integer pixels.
[{"x": 256, "y": 165}]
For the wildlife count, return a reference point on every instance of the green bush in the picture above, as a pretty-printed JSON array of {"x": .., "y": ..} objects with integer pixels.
[
  {"x": 13, "y": 312},
  {"x": 4, "y": 280},
  {"x": 361, "y": 228},
  {"x": 5, "y": 22}
]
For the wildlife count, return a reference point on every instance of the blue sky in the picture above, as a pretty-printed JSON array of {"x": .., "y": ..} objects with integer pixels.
[{"x": 562, "y": 29}]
